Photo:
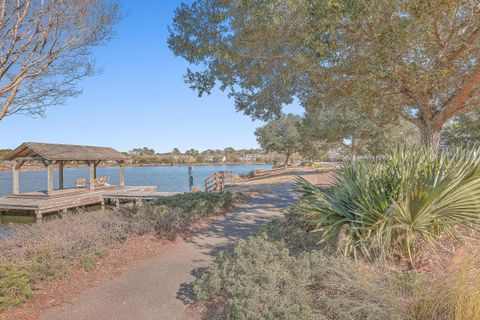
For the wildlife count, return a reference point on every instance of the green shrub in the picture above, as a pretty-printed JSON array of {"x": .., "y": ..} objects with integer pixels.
[
  {"x": 260, "y": 279},
  {"x": 200, "y": 202},
  {"x": 89, "y": 261},
  {"x": 394, "y": 206},
  {"x": 176, "y": 212},
  {"x": 15, "y": 286},
  {"x": 46, "y": 265},
  {"x": 294, "y": 230}
]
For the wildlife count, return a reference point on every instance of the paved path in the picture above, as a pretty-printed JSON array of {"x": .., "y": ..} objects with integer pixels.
[{"x": 161, "y": 288}]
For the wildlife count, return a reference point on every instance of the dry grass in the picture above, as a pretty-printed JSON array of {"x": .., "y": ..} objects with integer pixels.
[
  {"x": 73, "y": 234},
  {"x": 452, "y": 292}
]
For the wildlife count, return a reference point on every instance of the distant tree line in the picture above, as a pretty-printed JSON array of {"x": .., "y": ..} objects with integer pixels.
[
  {"x": 4, "y": 152},
  {"x": 147, "y": 155}
]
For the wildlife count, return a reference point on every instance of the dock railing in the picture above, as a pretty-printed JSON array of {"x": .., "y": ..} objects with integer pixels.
[{"x": 218, "y": 180}]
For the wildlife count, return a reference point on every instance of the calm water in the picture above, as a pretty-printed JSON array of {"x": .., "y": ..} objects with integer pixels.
[{"x": 171, "y": 178}]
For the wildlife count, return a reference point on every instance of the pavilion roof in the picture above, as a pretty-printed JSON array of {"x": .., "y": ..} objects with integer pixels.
[{"x": 65, "y": 152}]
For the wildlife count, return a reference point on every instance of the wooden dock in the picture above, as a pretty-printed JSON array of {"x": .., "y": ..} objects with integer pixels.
[{"x": 40, "y": 203}]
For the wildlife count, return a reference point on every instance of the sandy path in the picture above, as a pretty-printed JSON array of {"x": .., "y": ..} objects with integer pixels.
[{"x": 161, "y": 287}]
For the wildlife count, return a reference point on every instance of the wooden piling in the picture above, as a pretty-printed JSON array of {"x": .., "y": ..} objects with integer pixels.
[{"x": 15, "y": 178}]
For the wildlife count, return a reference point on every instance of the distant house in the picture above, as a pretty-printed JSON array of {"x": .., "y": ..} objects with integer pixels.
[
  {"x": 209, "y": 158},
  {"x": 248, "y": 158}
]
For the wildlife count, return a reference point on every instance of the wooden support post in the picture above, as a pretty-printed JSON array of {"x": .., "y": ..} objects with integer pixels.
[
  {"x": 91, "y": 165},
  {"x": 38, "y": 217},
  {"x": 102, "y": 204},
  {"x": 139, "y": 202},
  {"x": 222, "y": 181},
  {"x": 95, "y": 169},
  {"x": 117, "y": 203},
  {"x": 122, "y": 173},
  {"x": 50, "y": 177},
  {"x": 217, "y": 181},
  {"x": 60, "y": 175},
  {"x": 15, "y": 178}
]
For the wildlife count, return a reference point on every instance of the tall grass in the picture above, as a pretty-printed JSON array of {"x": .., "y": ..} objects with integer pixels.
[
  {"x": 453, "y": 292},
  {"x": 395, "y": 206}
]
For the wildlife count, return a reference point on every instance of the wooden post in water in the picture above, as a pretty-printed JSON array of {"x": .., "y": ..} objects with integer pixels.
[
  {"x": 60, "y": 175},
  {"x": 15, "y": 178},
  {"x": 122, "y": 173},
  {"x": 91, "y": 165},
  {"x": 190, "y": 178},
  {"x": 50, "y": 168}
]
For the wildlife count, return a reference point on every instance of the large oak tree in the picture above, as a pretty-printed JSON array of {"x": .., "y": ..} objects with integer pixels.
[
  {"x": 45, "y": 48},
  {"x": 417, "y": 59}
]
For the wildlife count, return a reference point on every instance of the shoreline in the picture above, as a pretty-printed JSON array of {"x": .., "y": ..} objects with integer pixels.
[{"x": 41, "y": 168}]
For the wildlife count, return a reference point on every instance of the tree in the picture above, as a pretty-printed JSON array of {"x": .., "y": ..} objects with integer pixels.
[
  {"x": 145, "y": 151},
  {"x": 416, "y": 59},
  {"x": 229, "y": 154},
  {"x": 344, "y": 126},
  {"x": 4, "y": 152},
  {"x": 46, "y": 49},
  {"x": 280, "y": 135},
  {"x": 313, "y": 150},
  {"x": 370, "y": 132},
  {"x": 463, "y": 129},
  {"x": 192, "y": 152}
]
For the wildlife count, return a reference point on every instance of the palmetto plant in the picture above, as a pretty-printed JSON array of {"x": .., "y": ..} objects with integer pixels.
[{"x": 395, "y": 205}]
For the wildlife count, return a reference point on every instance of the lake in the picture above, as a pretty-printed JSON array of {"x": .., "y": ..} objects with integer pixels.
[{"x": 165, "y": 178}]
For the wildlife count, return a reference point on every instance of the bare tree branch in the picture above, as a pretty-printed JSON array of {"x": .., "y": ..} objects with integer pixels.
[{"x": 45, "y": 48}]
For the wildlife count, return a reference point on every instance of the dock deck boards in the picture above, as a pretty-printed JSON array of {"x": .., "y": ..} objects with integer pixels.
[{"x": 40, "y": 202}]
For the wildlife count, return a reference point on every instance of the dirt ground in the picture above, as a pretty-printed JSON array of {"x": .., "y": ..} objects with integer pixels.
[{"x": 139, "y": 250}]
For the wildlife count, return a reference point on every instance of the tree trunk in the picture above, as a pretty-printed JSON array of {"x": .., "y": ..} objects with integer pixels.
[
  {"x": 431, "y": 137},
  {"x": 287, "y": 158}
]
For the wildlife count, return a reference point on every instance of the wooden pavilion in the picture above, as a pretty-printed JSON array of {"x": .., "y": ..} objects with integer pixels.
[{"x": 57, "y": 155}]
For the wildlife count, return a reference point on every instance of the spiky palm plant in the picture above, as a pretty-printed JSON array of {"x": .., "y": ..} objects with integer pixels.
[{"x": 394, "y": 205}]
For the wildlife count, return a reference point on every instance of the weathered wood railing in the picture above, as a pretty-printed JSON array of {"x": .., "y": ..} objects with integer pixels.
[{"x": 217, "y": 181}]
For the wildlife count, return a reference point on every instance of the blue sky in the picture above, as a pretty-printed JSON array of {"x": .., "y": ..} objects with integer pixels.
[{"x": 140, "y": 98}]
